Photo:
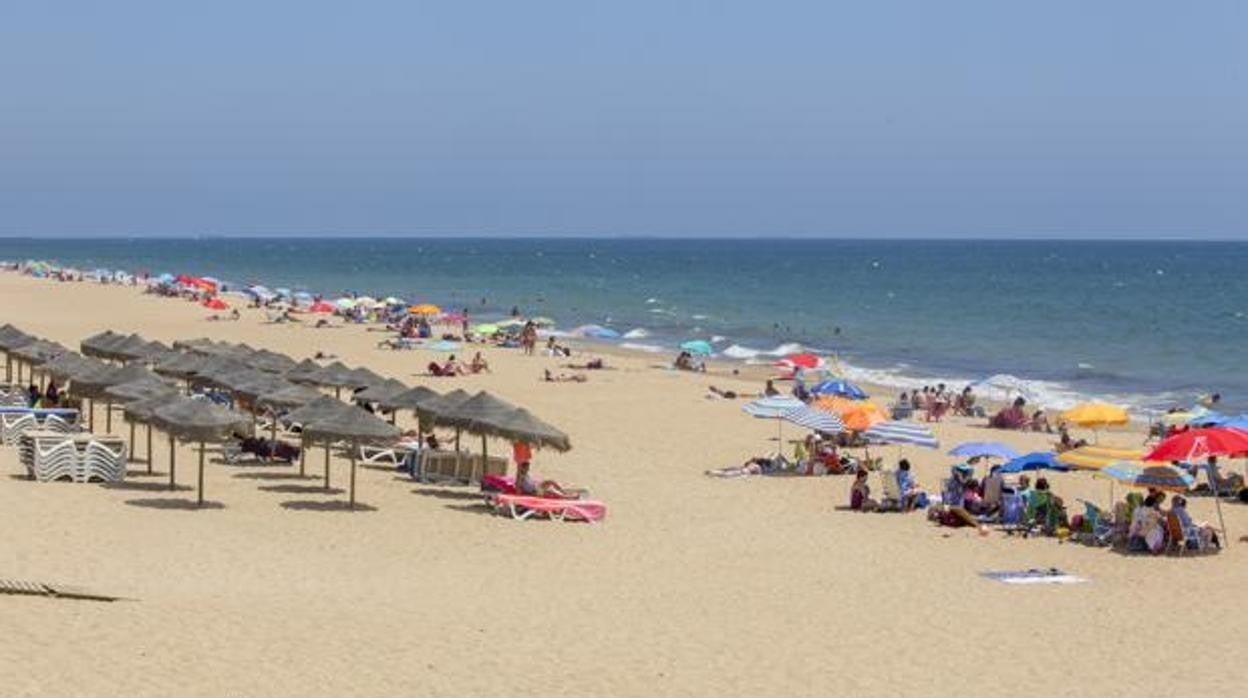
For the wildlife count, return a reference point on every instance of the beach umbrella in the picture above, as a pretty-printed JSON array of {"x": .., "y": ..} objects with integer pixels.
[
  {"x": 817, "y": 420},
  {"x": 772, "y": 408},
  {"x": 801, "y": 360},
  {"x": 858, "y": 415},
  {"x": 697, "y": 346},
  {"x": 336, "y": 375},
  {"x": 1039, "y": 460},
  {"x": 521, "y": 425},
  {"x": 1095, "y": 416},
  {"x": 271, "y": 361},
  {"x": 97, "y": 345},
  {"x": 424, "y": 309},
  {"x": 510, "y": 323},
  {"x": 1162, "y": 477},
  {"x": 355, "y": 426},
  {"x": 983, "y": 449},
  {"x": 133, "y": 391},
  {"x": 180, "y": 365},
  {"x": 345, "y": 303},
  {"x": 323, "y": 407},
  {"x": 196, "y": 420},
  {"x": 433, "y": 408},
  {"x": 475, "y": 411},
  {"x": 10, "y": 339},
  {"x": 302, "y": 371},
  {"x": 69, "y": 364},
  {"x": 127, "y": 348},
  {"x": 378, "y": 392},
  {"x": 1097, "y": 457},
  {"x": 363, "y": 377},
  {"x": 263, "y": 384},
  {"x": 1197, "y": 444},
  {"x": 902, "y": 433},
  {"x": 839, "y": 387},
  {"x": 321, "y": 307},
  {"x": 215, "y": 303},
  {"x": 409, "y": 399}
]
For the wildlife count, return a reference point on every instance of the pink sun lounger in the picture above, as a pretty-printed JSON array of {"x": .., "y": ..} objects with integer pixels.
[{"x": 523, "y": 507}]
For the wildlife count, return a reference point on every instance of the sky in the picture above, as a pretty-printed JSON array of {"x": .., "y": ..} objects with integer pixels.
[{"x": 988, "y": 118}]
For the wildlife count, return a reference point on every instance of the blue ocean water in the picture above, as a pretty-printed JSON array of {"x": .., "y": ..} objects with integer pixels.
[{"x": 1148, "y": 323}]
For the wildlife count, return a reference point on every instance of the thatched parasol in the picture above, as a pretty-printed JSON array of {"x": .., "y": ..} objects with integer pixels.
[
  {"x": 70, "y": 364},
  {"x": 143, "y": 411},
  {"x": 323, "y": 407},
  {"x": 36, "y": 353},
  {"x": 303, "y": 371},
  {"x": 364, "y": 377},
  {"x": 408, "y": 399},
  {"x": 92, "y": 384},
  {"x": 378, "y": 392},
  {"x": 97, "y": 345},
  {"x": 271, "y": 361},
  {"x": 356, "y": 426},
  {"x": 126, "y": 349},
  {"x": 10, "y": 339},
  {"x": 196, "y": 420},
  {"x": 335, "y": 375},
  {"x": 180, "y": 365},
  {"x": 521, "y": 425},
  {"x": 136, "y": 390},
  {"x": 289, "y": 397}
]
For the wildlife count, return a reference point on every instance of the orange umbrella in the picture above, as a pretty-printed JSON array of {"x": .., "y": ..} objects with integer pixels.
[
  {"x": 858, "y": 415},
  {"x": 215, "y": 304},
  {"x": 425, "y": 309}
]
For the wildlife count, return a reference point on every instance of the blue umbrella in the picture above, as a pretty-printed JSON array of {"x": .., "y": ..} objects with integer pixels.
[
  {"x": 839, "y": 387},
  {"x": 697, "y": 346},
  {"x": 1040, "y": 460},
  {"x": 984, "y": 449},
  {"x": 772, "y": 408}
]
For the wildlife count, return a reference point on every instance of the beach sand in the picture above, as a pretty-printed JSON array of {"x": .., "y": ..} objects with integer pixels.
[{"x": 692, "y": 586}]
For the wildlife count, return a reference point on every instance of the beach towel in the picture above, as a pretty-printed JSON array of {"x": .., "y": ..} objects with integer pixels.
[{"x": 1051, "y": 575}]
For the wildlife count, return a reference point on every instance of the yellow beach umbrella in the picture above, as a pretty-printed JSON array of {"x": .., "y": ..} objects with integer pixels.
[
  {"x": 1098, "y": 457},
  {"x": 1095, "y": 415},
  {"x": 424, "y": 309}
]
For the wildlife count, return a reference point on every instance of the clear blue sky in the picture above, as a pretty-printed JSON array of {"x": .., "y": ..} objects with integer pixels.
[{"x": 922, "y": 118}]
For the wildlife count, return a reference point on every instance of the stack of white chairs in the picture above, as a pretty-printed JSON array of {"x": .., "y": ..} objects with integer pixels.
[
  {"x": 56, "y": 460},
  {"x": 99, "y": 462},
  {"x": 14, "y": 424},
  {"x": 13, "y": 396}
]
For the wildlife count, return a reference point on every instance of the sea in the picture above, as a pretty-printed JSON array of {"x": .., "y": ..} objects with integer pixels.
[{"x": 1150, "y": 325}]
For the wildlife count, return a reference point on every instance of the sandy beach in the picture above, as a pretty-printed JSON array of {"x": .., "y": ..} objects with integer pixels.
[{"x": 692, "y": 586}]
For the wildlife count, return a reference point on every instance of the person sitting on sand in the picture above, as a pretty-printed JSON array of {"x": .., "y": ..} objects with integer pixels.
[
  {"x": 525, "y": 484},
  {"x": 860, "y": 494},
  {"x": 952, "y": 510},
  {"x": 1147, "y": 532},
  {"x": 1230, "y": 484},
  {"x": 1065, "y": 442},
  {"x": 684, "y": 361},
  {"x": 1012, "y": 417},
  {"x": 1205, "y": 534},
  {"x": 907, "y": 486},
  {"x": 52, "y": 396},
  {"x": 479, "y": 364},
  {"x": 770, "y": 389},
  {"x": 1040, "y": 422}
]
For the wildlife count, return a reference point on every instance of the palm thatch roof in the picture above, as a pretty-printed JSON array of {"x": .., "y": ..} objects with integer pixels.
[
  {"x": 321, "y": 408},
  {"x": 521, "y": 425},
  {"x": 143, "y": 410},
  {"x": 70, "y": 364},
  {"x": 97, "y": 345},
  {"x": 434, "y": 408},
  {"x": 180, "y": 365},
  {"x": 302, "y": 371},
  {"x": 408, "y": 399},
  {"x": 139, "y": 390},
  {"x": 378, "y": 392},
  {"x": 197, "y": 420},
  {"x": 11, "y": 337},
  {"x": 289, "y": 397},
  {"x": 38, "y": 351},
  {"x": 351, "y": 425},
  {"x": 265, "y": 384},
  {"x": 271, "y": 361},
  {"x": 92, "y": 384}
]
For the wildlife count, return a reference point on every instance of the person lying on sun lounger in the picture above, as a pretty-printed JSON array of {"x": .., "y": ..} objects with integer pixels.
[{"x": 526, "y": 484}]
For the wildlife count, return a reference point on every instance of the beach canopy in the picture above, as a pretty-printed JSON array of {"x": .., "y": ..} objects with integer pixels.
[
  {"x": 69, "y": 364},
  {"x": 11, "y": 337},
  {"x": 697, "y": 346},
  {"x": 486, "y": 328},
  {"x": 408, "y": 399},
  {"x": 521, "y": 425},
  {"x": 363, "y": 377},
  {"x": 424, "y": 309},
  {"x": 902, "y": 433},
  {"x": 271, "y": 361},
  {"x": 378, "y": 392},
  {"x": 1039, "y": 460},
  {"x": 1097, "y": 457},
  {"x": 97, "y": 345},
  {"x": 141, "y": 389},
  {"x": 92, "y": 384},
  {"x": 435, "y": 407},
  {"x": 335, "y": 375},
  {"x": 38, "y": 352},
  {"x": 180, "y": 365},
  {"x": 1095, "y": 415},
  {"x": 264, "y": 384},
  {"x": 839, "y": 387},
  {"x": 145, "y": 409},
  {"x": 1198, "y": 444},
  {"x": 801, "y": 360},
  {"x": 771, "y": 407},
  {"x": 354, "y": 425},
  {"x": 817, "y": 420},
  {"x": 197, "y": 420},
  {"x": 321, "y": 307},
  {"x": 323, "y": 407},
  {"x": 983, "y": 449},
  {"x": 476, "y": 412},
  {"x": 858, "y": 415},
  {"x": 1162, "y": 477},
  {"x": 289, "y": 397},
  {"x": 303, "y": 370},
  {"x": 215, "y": 303}
]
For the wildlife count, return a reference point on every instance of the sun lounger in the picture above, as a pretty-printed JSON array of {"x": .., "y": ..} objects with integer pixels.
[
  {"x": 100, "y": 462},
  {"x": 55, "y": 460},
  {"x": 381, "y": 455},
  {"x": 523, "y": 507}
]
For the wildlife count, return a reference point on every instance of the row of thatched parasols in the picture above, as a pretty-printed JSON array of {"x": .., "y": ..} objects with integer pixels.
[{"x": 144, "y": 380}]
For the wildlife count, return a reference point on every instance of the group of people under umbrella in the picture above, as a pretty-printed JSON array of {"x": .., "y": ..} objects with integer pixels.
[{"x": 203, "y": 392}]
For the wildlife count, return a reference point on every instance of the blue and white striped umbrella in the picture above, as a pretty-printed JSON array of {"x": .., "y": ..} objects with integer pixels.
[
  {"x": 818, "y": 420},
  {"x": 902, "y": 433},
  {"x": 840, "y": 387},
  {"x": 771, "y": 407}
]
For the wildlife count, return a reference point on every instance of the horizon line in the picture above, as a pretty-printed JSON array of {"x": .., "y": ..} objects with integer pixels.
[{"x": 1051, "y": 237}]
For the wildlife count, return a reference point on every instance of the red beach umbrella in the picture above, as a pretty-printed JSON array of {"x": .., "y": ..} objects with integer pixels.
[
  {"x": 215, "y": 304},
  {"x": 806, "y": 360},
  {"x": 1195, "y": 444},
  {"x": 321, "y": 307}
]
